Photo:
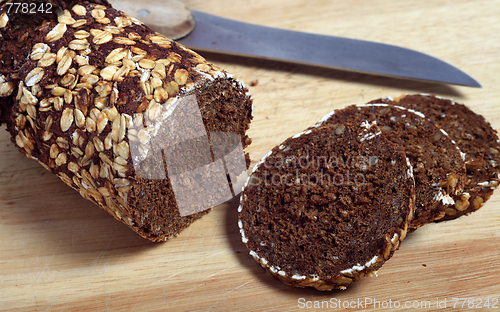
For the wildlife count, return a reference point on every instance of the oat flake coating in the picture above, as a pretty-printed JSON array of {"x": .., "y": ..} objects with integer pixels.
[
  {"x": 328, "y": 206},
  {"x": 77, "y": 89}
]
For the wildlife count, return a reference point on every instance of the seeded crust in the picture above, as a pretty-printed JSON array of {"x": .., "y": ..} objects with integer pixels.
[
  {"x": 328, "y": 206},
  {"x": 438, "y": 167},
  {"x": 475, "y": 137},
  {"x": 77, "y": 88}
]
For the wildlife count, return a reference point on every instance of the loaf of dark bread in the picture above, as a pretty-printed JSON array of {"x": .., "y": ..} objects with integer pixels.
[
  {"x": 328, "y": 206},
  {"x": 87, "y": 91}
]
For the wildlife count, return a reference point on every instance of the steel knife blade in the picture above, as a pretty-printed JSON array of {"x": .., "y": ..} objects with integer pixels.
[{"x": 217, "y": 34}]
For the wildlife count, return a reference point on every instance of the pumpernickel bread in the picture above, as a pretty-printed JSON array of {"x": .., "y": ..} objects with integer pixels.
[
  {"x": 328, "y": 206},
  {"x": 438, "y": 166},
  {"x": 477, "y": 140},
  {"x": 85, "y": 90}
]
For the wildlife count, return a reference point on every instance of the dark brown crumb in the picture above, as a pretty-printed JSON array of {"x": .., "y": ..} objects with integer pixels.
[
  {"x": 328, "y": 206},
  {"x": 438, "y": 167},
  {"x": 475, "y": 137}
]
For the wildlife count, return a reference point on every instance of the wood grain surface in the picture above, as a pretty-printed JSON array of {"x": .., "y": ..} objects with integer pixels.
[{"x": 59, "y": 252}]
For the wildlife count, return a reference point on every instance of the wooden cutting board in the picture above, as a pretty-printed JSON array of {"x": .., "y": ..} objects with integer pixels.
[{"x": 59, "y": 252}]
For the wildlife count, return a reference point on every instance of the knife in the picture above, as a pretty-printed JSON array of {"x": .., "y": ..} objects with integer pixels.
[{"x": 205, "y": 32}]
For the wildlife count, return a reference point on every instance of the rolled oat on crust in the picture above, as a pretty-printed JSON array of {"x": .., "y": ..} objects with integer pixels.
[
  {"x": 81, "y": 90},
  {"x": 478, "y": 142},
  {"x": 328, "y": 206}
]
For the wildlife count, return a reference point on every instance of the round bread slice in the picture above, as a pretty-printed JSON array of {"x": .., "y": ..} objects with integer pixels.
[
  {"x": 477, "y": 140},
  {"x": 328, "y": 206},
  {"x": 438, "y": 167}
]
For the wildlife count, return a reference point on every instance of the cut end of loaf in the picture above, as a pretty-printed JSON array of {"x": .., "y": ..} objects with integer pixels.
[{"x": 224, "y": 110}]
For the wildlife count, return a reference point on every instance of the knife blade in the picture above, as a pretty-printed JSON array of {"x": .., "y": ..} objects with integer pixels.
[{"x": 217, "y": 34}]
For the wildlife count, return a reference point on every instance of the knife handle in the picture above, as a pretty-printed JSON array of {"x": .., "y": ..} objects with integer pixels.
[{"x": 171, "y": 18}]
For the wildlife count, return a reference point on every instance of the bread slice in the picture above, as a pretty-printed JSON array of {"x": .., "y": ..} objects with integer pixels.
[
  {"x": 328, "y": 206},
  {"x": 87, "y": 91},
  {"x": 477, "y": 140},
  {"x": 438, "y": 167}
]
